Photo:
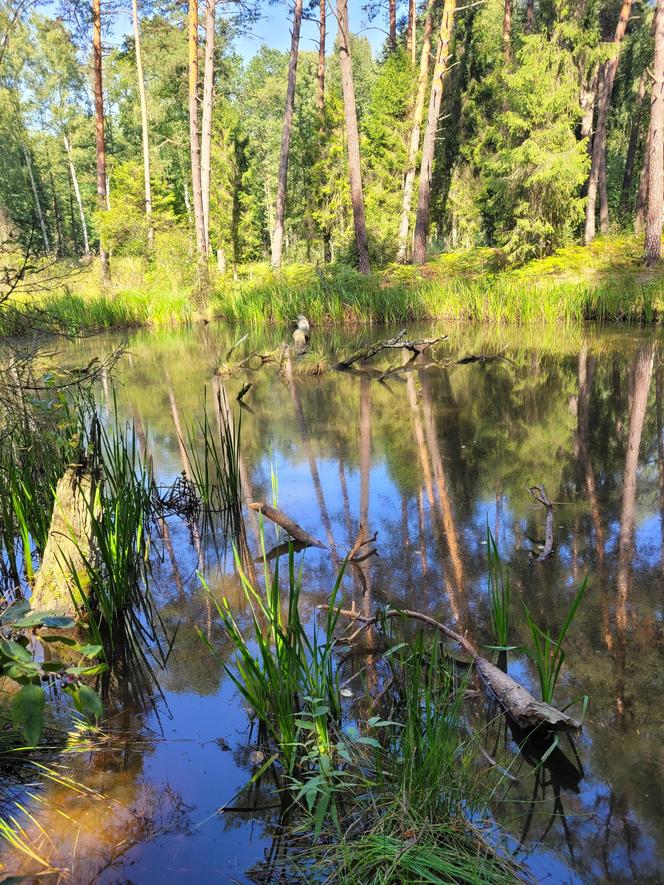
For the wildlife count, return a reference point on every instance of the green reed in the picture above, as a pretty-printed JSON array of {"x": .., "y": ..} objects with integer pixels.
[
  {"x": 499, "y": 593},
  {"x": 216, "y": 471},
  {"x": 547, "y": 651}
]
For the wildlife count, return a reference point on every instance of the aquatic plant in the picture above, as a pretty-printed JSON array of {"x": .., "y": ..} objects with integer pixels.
[
  {"x": 499, "y": 593},
  {"x": 547, "y": 652},
  {"x": 216, "y": 473}
]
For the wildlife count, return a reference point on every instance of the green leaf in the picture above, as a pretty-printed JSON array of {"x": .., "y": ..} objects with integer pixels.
[
  {"x": 89, "y": 651},
  {"x": 28, "y": 711},
  {"x": 53, "y": 666},
  {"x": 14, "y": 651},
  {"x": 86, "y": 700},
  {"x": 87, "y": 671},
  {"x": 16, "y": 610},
  {"x": 55, "y": 637}
]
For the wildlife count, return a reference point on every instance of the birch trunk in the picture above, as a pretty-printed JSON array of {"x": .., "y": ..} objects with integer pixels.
[
  {"x": 206, "y": 123},
  {"x": 100, "y": 140},
  {"x": 35, "y": 193},
  {"x": 289, "y": 110},
  {"x": 414, "y": 144},
  {"x": 604, "y": 102},
  {"x": 77, "y": 194},
  {"x": 144, "y": 124},
  {"x": 352, "y": 139},
  {"x": 194, "y": 143},
  {"x": 429, "y": 144},
  {"x": 653, "y": 240}
]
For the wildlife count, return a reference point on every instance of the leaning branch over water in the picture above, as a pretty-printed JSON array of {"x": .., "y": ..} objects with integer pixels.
[{"x": 294, "y": 530}]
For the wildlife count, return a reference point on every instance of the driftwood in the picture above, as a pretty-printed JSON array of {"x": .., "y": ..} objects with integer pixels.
[
  {"x": 287, "y": 524},
  {"x": 398, "y": 342},
  {"x": 515, "y": 700},
  {"x": 540, "y": 495}
]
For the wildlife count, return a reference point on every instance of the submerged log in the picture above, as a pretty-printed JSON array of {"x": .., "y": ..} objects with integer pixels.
[
  {"x": 69, "y": 544},
  {"x": 287, "y": 524},
  {"x": 516, "y": 701},
  {"x": 398, "y": 342}
]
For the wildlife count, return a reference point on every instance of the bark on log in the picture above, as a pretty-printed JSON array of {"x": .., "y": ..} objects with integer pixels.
[
  {"x": 515, "y": 700},
  {"x": 287, "y": 524},
  {"x": 69, "y": 540}
]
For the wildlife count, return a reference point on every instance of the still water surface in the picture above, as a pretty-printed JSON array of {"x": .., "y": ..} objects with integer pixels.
[{"x": 426, "y": 460}]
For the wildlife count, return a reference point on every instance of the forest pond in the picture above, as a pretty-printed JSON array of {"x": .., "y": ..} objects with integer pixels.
[{"x": 425, "y": 458}]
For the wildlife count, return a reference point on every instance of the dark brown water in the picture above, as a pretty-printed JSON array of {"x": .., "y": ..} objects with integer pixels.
[{"x": 426, "y": 460}]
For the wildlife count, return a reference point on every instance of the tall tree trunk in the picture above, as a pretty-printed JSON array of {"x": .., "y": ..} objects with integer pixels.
[
  {"x": 633, "y": 145},
  {"x": 393, "y": 23},
  {"x": 99, "y": 129},
  {"x": 77, "y": 192},
  {"x": 411, "y": 33},
  {"x": 642, "y": 191},
  {"x": 530, "y": 16},
  {"x": 144, "y": 124},
  {"x": 507, "y": 31},
  {"x": 352, "y": 138},
  {"x": 414, "y": 144},
  {"x": 322, "y": 33},
  {"x": 289, "y": 110},
  {"x": 653, "y": 243},
  {"x": 603, "y": 196},
  {"x": 194, "y": 143},
  {"x": 429, "y": 143},
  {"x": 38, "y": 205},
  {"x": 206, "y": 122},
  {"x": 604, "y": 101}
]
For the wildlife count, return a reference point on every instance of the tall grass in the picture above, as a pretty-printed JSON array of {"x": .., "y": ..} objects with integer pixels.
[
  {"x": 216, "y": 471},
  {"x": 547, "y": 651},
  {"x": 499, "y": 594},
  {"x": 603, "y": 282}
]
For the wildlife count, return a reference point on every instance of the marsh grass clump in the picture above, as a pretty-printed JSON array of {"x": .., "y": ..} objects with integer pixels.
[{"x": 375, "y": 790}]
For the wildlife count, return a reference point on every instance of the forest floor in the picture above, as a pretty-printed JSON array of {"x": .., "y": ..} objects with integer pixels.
[{"x": 604, "y": 281}]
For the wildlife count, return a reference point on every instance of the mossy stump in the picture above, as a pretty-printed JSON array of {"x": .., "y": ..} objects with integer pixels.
[{"x": 69, "y": 544}]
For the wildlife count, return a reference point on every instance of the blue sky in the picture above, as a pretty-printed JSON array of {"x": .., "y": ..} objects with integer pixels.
[{"x": 274, "y": 29}]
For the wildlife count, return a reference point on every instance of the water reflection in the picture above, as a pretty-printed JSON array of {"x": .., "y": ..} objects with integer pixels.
[{"x": 425, "y": 460}]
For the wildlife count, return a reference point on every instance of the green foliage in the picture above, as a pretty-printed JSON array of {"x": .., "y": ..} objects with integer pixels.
[
  {"x": 499, "y": 593},
  {"x": 547, "y": 652},
  {"x": 28, "y": 704}
]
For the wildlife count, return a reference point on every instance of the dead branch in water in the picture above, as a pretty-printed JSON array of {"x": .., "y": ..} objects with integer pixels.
[
  {"x": 365, "y": 353},
  {"x": 515, "y": 700},
  {"x": 287, "y": 524},
  {"x": 540, "y": 495}
]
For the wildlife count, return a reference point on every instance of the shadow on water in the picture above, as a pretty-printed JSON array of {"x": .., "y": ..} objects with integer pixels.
[{"x": 425, "y": 457}]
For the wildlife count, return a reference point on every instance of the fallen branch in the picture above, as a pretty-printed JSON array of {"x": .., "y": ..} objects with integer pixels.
[
  {"x": 287, "y": 524},
  {"x": 365, "y": 353},
  {"x": 540, "y": 495},
  {"x": 515, "y": 700}
]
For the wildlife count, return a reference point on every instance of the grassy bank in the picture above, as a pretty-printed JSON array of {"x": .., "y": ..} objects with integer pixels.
[{"x": 605, "y": 281}]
